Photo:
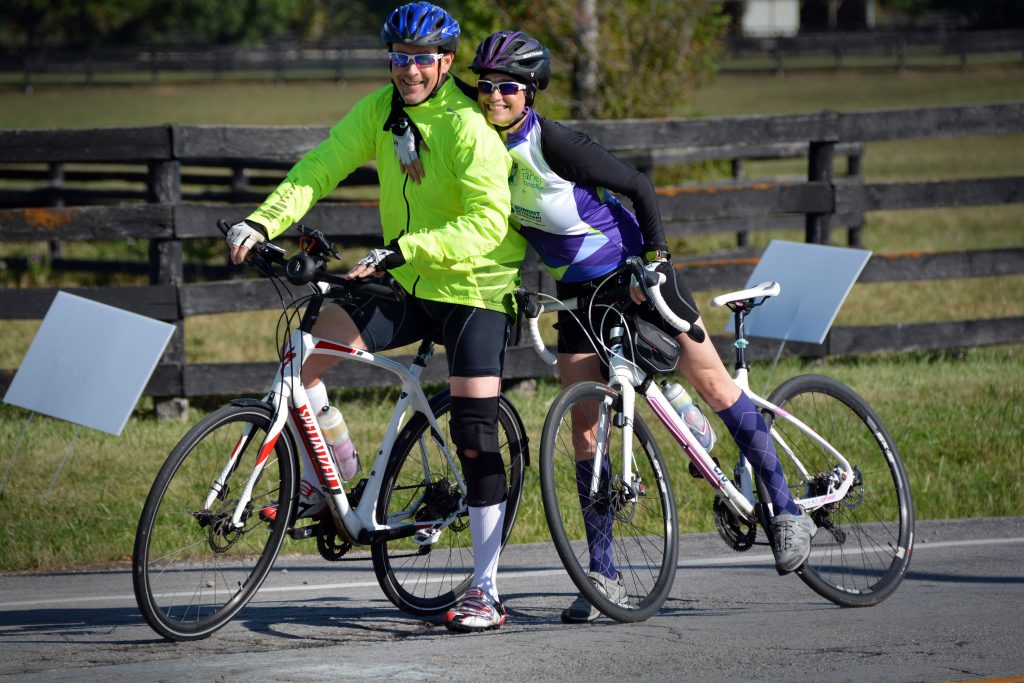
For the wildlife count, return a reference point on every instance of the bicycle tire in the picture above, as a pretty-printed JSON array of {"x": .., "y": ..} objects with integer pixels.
[
  {"x": 191, "y": 572},
  {"x": 864, "y": 542},
  {"x": 645, "y": 544},
  {"x": 424, "y": 580}
]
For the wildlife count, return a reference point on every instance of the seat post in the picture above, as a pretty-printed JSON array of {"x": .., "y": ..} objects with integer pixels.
[{"x": 740, "y": 310}]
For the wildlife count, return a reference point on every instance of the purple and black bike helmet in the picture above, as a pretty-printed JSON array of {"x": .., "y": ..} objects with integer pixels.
[{"x": 517, "y": 54}]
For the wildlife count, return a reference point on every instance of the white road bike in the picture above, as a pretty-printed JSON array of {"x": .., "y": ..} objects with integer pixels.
[
  {"x": 841, "y": 464},
  {"x": 202, "y": 550}
]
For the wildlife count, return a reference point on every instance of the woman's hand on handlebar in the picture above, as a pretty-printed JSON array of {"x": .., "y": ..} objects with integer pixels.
[{"x": 636, "y": 292}]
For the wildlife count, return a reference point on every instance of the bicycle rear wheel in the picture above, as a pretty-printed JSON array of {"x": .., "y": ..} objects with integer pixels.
[
  {"x": 864, "y": 542},
  {"x": 419, "y": 484},
  {"x": 192, "y": 570},
  {"x": 643, "y": 546}
]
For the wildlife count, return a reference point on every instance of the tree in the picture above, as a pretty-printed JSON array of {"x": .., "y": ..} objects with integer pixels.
[{"x": 649, "y": 53}]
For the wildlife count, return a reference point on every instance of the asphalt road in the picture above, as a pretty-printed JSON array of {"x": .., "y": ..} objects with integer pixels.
[{"x": 957, "y": 616}]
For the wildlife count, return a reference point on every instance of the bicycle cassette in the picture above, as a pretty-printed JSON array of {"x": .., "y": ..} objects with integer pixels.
[{"x": 738, "y": 535}]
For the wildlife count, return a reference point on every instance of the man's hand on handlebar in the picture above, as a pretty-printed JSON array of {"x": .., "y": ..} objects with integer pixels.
[
  {"x": 242, "y": 236},
  {"x": 377, "y": 262}
]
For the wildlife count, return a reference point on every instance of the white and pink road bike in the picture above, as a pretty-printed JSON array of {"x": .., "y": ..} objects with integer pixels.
[
  {"x": 202, "y": 550},
  {"x": 841, "y": 465}
]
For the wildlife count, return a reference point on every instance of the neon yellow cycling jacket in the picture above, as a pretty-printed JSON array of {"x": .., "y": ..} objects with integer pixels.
[{"x": 452, "y": 227}]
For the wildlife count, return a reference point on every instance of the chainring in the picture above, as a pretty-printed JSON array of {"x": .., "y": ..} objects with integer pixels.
[
  {"x": 331, "y": 546},
  {"x": 738, "y": 535}
]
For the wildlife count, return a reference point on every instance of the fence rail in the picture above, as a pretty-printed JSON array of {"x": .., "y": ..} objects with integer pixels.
[
  {"x": 361, "y": 56},
  {"x": 163, "y": 215},
  {"x": 874, "y": 49}
]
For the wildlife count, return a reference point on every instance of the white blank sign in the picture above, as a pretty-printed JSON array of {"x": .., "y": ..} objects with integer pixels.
[
  {"x": 89, "y": 363},
  {"x": 815, "y": 279}
]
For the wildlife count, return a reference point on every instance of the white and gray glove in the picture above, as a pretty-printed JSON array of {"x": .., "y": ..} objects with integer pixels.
[
  {"x": 407, "y": 152},
  {"x": 378, "y": 261},
  {"x": 382, "y": 259},
  {"x": 241, "y": 237},
  {"x": 405, "y": 146}
]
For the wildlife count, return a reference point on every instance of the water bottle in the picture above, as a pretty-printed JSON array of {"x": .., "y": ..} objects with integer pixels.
[
  {"x": 332, "y": 424},
  {"x": 691, "y": 414}
]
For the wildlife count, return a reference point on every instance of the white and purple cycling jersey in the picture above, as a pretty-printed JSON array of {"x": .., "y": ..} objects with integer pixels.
[{"x": 561, "y": 206}]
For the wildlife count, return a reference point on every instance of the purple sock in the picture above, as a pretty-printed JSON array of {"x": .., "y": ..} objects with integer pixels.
[
  {"x": 750, "y": 432},
  {"x": 597, "y": 522}
]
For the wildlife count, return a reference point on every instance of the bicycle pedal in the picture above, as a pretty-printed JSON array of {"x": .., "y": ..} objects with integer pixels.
[
  {"x": 300, "y": 532},
  {"x": 427, "y": 536}
]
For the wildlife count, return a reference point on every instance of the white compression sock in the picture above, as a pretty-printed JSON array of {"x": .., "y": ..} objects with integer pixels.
[
  {"x": 485, "y": 524},
  {"x": 317, "y": 397},
  {"x": 317, "y": 402}
]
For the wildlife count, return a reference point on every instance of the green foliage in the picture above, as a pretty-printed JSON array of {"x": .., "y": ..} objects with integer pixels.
[
  {"x": 652, "y": 53},
  {"x": 105, "y": 22}
]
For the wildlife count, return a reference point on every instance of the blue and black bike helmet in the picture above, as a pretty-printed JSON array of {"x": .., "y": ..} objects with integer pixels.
[{"x": 421, "y": 23}]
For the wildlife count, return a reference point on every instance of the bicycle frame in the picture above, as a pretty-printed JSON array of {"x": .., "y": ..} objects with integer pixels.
[
  {"x": 292, "y": 412},
  {"x": 629, "y": 379}
]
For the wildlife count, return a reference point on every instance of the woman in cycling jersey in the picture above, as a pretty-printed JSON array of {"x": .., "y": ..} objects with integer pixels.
[{"x": 561, "y": 204}]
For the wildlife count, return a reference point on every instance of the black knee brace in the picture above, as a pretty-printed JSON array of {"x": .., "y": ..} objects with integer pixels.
[{"x": 474, "y": 426}]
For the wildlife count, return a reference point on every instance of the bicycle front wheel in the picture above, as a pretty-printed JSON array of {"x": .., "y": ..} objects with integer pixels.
[
  {"x": 864, "y": 541},
  {"x": 192, "y": 569},
  {"x": 426, "y": 575},
  {"x": 632, "y": 527}
]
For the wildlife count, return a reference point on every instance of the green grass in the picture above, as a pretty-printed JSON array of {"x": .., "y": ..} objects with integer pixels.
[
  {"x": 957, "y": 419},
  {"x": 956, "y": 416}
]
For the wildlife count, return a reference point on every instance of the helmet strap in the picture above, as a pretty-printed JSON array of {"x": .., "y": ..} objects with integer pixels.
[{"x": 522, "y": 115}]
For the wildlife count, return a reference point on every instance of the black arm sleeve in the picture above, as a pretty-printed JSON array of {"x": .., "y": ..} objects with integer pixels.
[{"x": 577, "y": 158}]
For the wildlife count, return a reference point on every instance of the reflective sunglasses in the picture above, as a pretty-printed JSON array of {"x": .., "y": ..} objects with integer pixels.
[
  {"x": 505, "y": 88},
  {"x": 402, "y": 60}
]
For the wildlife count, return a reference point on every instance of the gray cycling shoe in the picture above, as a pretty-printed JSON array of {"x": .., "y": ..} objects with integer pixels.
[
  {"x": 793, "y": 534},
  {"x": 582, "y": 612}
]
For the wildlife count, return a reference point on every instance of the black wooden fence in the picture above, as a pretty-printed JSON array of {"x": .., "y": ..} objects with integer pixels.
[
  {"x": 361, "y": 56},
  {"x": 165, "y": 160},
  {"x": 882, "y": 49}
]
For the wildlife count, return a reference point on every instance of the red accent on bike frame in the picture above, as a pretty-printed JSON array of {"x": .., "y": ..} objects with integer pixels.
[
  {"x": 328, "y": 473},
  {"x": 336, "y": 347},
  {"x": 267, "y": 448}
]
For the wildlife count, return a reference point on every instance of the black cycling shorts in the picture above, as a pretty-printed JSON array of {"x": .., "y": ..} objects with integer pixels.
[
  {"x": 571, "y": 337},
  {"x": 474, "y": 339}
]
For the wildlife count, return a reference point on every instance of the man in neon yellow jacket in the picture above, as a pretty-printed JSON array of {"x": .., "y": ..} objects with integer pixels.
[{"x": 448, "y": 244}]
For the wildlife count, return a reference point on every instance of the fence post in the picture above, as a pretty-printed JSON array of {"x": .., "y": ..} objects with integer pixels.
[
  {"x": 736, "y": 165},
  {"x": 819, "y": 168},
  {"x": 56, "y": 183},
  {"x": 167, "y": 268},
  {"x": 26, "y": 86},
  {"x": 853, "y": 170},
  {"x": 155, "y": 65}
]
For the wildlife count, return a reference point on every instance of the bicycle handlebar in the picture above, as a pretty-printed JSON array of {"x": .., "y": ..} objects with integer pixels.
[
  {"x": 307, "y": 266},
  {"x": 649, "y": 281}
]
